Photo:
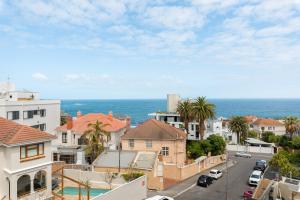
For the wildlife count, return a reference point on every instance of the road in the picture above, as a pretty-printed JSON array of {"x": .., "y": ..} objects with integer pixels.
[{"x": 238, "y": 175}]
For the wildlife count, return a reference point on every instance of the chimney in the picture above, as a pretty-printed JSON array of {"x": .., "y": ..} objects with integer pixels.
[
  {"x": 69, "y": 122},
  {"x": 79, "y": 114},
  {"x": 128, "y": 123},
  {"x": 110, "y": 115}
]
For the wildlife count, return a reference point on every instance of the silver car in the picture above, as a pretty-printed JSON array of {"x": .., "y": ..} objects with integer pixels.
[{"x": 243, "y": 154}]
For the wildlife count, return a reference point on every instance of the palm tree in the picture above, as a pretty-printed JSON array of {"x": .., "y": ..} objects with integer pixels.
[
  {"x": 95, "y": 139},
  {"x": 239, "y": 126},
  {"x": 291, "y": 124},
  {"x": 203, "y": 110},
  {"x": 185, "y": 111}
]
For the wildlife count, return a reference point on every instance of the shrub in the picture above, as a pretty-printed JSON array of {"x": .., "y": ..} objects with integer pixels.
[
  {"x": 252, "y": 134},
  {"x": 266, "y": 136},
  {"x": 284, "y": 141},
  {"x": 217, "y": 144},
  {"x": 296, "y": 142},
  {"x": 132, "y": 176},
  {"x": 194, "y": 150},
  {"x": 205, "y": 145},
  {"x": 282, "y": 161}
]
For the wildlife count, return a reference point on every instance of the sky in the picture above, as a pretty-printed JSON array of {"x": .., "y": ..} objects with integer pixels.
[{"x": 112, "y": 49}]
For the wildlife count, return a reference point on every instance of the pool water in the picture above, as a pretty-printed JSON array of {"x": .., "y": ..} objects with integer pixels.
[{"x": 75, "y": 191}]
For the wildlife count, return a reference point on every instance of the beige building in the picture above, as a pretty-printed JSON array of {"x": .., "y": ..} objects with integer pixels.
[
  {"x": 263, "y": 124},
  {"x": 158, "y": 137}
]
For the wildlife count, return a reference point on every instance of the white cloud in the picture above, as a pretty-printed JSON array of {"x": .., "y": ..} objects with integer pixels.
[
  {"x": 39, "y": 77},
  {"x": 174, "y": 17}
]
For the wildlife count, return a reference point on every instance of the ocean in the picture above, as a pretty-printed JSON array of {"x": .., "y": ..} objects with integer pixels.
[{"x": 138, "y": 110}]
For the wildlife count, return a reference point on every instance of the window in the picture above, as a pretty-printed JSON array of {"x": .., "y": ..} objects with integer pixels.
[
  {"x": 270, "y": 128},
  {"x": 13, "y": 115},
  {"x": 43, "y": 112},
  {"x": 32, "y": 150},
  {"x": 192, "y": 127},
  {"x": 165, "y": 151},
  {"x": 131, "y": 143},
  {"x": 39, "y": 180},
  {"x": 42, "y": 127},
  {"x": 28, "y": 114},
  {"x": 23, "y": 185},
  {"x": 64, "y": 137},
  {"x": 148, "y": 144}
]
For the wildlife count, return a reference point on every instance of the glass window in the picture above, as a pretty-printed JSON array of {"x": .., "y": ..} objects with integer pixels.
[
  {"x": 148, "y": 144},
  {"x": 13, "y": 115},
  {"x": 23, "y": 185},
  {"x": 28, "y": 114},
  {"x": 43, "y": 112},
  {"x": 32, "y": 150},
  {"x": 131, "y": 143},
  {"x": 165, "y": 151},
  {"x": 39, "y": 180},
  {"x": 42, "y": 127},
  {"x": 64, "y": 137}
]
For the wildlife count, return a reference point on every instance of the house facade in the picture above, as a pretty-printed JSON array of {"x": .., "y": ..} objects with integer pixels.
[
  {"x": 157, "y": 136},
  {"x": 71, "y": 140},
  {"x": 26, "y": 172},
  {"x": 25, "y": 107},
  {"x": 265, "y": 124}
]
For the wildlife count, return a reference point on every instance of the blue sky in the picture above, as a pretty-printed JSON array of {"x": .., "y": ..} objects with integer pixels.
[{"x": 148, "y": 48}]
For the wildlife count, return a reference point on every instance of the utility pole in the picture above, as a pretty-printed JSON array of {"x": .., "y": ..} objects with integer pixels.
[
  {"x": 226, "y": 196},
  {"x": 119, "y": 148}
]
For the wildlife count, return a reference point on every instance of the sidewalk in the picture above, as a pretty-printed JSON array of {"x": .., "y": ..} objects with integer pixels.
[{"x": 187, "y": 184}]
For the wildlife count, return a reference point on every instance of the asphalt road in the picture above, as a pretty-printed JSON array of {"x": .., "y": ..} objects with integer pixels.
[{"x": 237, "y": 182}]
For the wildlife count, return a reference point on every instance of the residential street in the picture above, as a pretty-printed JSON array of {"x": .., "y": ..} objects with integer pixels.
[{"x": 237, "y": 182}]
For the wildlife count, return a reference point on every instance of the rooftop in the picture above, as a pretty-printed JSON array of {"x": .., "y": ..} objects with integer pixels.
[
  {"x": 155, "y": 130},
  {"x": 12, "y": 133},
  {"x": 80, "y": 124},
  {"x": 267, "y": 122}
]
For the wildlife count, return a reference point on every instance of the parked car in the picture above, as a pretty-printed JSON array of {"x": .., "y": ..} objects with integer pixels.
[
  {"x": 243, "y": 154},
  {"x": 248, "y": 194},
  {"x": 255, "y": 177},
  {"x": 259, "y": 166},
  {"x": 263, "y": 162},
  {"x": 215, "y": 174},
  {"x": 204, "y": 181},
  {"x": 158, "y": 197}
]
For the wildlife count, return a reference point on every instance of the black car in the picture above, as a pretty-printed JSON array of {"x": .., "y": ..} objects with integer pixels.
[
  {"x": 204, "y": 181},
  {"x": 260, "y": 167}
]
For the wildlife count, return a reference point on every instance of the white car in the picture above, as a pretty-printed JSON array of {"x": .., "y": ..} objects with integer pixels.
[
  {"x": 243, "y": 154},
  {"x": 158, "y": 197},
  {"x": 255, "y": 177},
  {"x": 216, "y": 174}
]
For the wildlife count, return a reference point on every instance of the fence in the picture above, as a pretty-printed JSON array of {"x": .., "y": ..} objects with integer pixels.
[
  {"x": 251, "y": 149},
  {"x": 134, "y": 190}
]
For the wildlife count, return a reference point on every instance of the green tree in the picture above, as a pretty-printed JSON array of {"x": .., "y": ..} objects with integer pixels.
[
  {"x": 291, "y": 124},
  {"x": 95, "y": 136},
  {"x": 284, "y": 141},
  {"x": 281, "y": 160},
  {"x": 217, "y": 143},
  {"x": 194, "y": 150},
  {"x": 296, "y": 142},
  {"x": 266, "y": 136},
  {"x": 203, "y": 110},
  {"x": 205, "y": 146},
  {"x": 252, "y": 134},
  {"x": 239, "y": 126},
  {"x": 185, "y": 111}
]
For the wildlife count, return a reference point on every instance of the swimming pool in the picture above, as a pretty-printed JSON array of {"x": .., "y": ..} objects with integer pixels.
[{"x": 75, "y": 191}]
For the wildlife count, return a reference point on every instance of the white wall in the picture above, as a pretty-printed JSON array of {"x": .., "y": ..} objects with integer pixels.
[
  {"x": 135, "y": 190},
  {"x": 250, "y": 149},
  {"x": 52, "y": 118}
]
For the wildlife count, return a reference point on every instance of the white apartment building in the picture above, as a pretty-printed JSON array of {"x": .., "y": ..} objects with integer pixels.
[
  {"x": 26, "y": 167},
  {"x": 173, "y": 118},
  {"x": 25, "y": 107}
]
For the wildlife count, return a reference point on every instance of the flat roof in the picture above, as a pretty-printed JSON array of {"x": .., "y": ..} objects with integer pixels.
[
  {"x": 256, "y": 141},
  {"x": 111, "y": 159}
]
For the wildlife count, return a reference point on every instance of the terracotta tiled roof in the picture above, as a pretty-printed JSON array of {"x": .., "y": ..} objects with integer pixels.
[
  {"x": 250, "y": 119},
  {"x": 155, "y": 130},
  {"x": 267, "y": 122},
  {"x": 14, "y": 133},
  {"x": 80, "y": 125}
]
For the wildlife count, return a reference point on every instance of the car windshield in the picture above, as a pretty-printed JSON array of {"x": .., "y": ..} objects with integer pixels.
[
  {"x": 213, "y": 172},
  {"x": 255, "y": 176},
  {"x": 203, "y": 178}
]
